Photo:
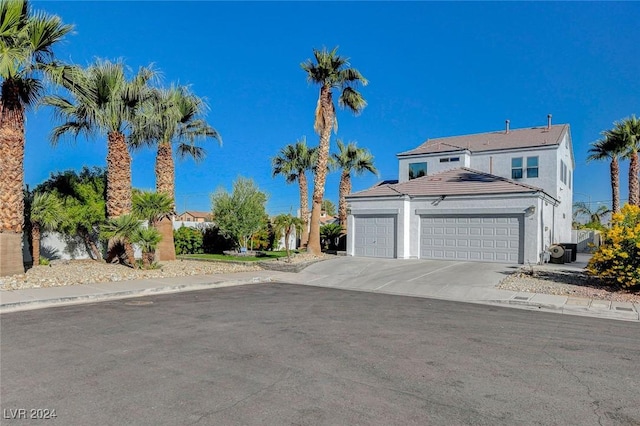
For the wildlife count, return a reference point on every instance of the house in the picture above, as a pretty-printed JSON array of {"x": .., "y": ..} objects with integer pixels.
[
  {"x": 502, "y": 196},
  {"x": 194, "y": 216}
]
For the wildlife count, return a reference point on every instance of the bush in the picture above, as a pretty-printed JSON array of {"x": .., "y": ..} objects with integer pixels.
[
  {"x": 618, "y": 258},
  {"x": 188, "y": 240},
  {"x": 214, "y": 242}
]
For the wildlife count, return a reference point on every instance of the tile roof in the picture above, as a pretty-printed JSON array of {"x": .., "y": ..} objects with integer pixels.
[
  {"x": 517, "y": 138},
  {"x": 460, "y": 181},
  {"x": 195, "y": 213}
]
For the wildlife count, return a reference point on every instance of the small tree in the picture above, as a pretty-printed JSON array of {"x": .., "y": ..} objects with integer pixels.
[
  {"x": 83, "y": 200},
  {"x": 328, "y": 207},
  {"x": 242, "y": 213},
  {"x": 618, "y": 258},
  {"x": 188, "y": 240},
  {"x": 329, "y": 233},
  {"x": 121, "y": 232},
  {"x": 46, "y": 214},
  {"x": 285, "y": 224},
  {"x": 148, "y": 240},
  {"x": 151, "y": 206}
]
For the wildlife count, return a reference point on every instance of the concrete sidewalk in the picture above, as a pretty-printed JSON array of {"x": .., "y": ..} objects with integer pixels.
[{"x": 341, "y": 273}]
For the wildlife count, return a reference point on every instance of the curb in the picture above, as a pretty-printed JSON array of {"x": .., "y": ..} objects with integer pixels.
[
  {"x": 577, "y": 311},
  {"x": 124, "y": 294}
]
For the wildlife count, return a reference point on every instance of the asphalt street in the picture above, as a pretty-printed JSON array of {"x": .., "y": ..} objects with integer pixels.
[{"x": 280, "y": 354}]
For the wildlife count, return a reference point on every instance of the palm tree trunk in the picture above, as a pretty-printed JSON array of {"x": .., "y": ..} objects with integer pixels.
[
  {"x": 165, "y": 184},
  {"x": 118, "y": 183},
  {"x": 118, "y": 176},
  {"x": 131, "y": 258},
  {"x": 345, "y": 189},
  {"x": 35, "y": 243},
  {"x": 634, "y": 168},
  {"x": 91, "y": 245},
  {"x": 11, "y": 179},
  {"x": 304, "y": 208},
  {"x": 615, "y": 185},
  {"x": 320, "y": 177}
]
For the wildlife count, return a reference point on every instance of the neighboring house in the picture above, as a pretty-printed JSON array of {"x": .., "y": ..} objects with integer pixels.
[
  {"x": 326, "y": 219},
  {"x": 194, "y": 216},
  {"x": 502, "y": 196}
]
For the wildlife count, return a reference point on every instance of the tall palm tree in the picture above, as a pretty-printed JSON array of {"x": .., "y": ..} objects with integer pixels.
[
  {"x": 610, "y": 148},
  {"x": 104, "y": 101},
  {"x": 292, "y": 162},
  {"x": 628, "y": 130},
  {"x": 26, "y": 42},
  {"x": 174, "y": 115},
  {"x": 350, "y": 158},
  {"x": 330, "y": 71},
  {"x": 46, "y": 214}
]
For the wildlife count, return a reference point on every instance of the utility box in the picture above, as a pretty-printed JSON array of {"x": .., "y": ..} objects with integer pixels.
[{"x": 573, "y": 248}]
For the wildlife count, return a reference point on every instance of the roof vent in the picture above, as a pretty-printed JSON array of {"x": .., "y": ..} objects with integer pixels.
[
  {"x": 507, "y": 126},
  {"x": 548, "y": 121}
]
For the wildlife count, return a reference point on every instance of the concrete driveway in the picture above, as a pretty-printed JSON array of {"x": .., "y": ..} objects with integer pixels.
[{"x": 464, "y": 281}]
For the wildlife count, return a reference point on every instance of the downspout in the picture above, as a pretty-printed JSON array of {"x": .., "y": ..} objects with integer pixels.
[{"x": 544, "y": 249}]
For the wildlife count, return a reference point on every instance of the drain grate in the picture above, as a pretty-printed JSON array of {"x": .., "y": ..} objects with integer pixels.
[
  {"x": 620, "y": 308},
  {"x": 138, "y": 303},
  {"x": 521, "y": 298}
]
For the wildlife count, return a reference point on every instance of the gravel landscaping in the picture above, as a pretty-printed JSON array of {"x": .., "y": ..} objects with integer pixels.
[
  {"x": 565, "y": 283},
  {"x": 77, "y": 272}
]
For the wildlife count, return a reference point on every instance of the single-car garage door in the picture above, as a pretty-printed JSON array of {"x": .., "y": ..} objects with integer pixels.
[
  {"x": 375, "y": 236},
  {"x": 472, "y": 237}
]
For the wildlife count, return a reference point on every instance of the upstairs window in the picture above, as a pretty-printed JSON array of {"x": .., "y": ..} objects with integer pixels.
[
  {"x": 417, "y": 170},
  {"x": 563, "y": 172},
  {"x": 516, "y": 168},
  {"x": 450, "y": 159},
  {"x": 532, "y": 167}
]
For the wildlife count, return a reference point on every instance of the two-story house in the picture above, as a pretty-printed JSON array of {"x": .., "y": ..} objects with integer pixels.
[{"x": 502, "y": 196}]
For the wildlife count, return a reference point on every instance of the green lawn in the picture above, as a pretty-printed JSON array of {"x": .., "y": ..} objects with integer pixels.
[{"x": 268, "y": 255}]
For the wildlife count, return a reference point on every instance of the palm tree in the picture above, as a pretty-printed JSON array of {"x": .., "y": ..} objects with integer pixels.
[
  {"x": 120, "y": 232},
  {"x": 580, "y": 208},
  {"x": 350, "y": 158},
  {"x": 293, "y": 161},
  {"x": 628, "y": 131},
  {"x": 46, "y": 214},
  {"x": 148, "y": 240},
  {"x": 330, "y": 71},
  {"x": 285, "y": 224},
  {"x": 609, "y": 148},
  {"x": 104, "y": 101},
  {"x": 174, "y": 115},
  {"x": 26, "y": 42},
  {"x": 151, "y": 206}
]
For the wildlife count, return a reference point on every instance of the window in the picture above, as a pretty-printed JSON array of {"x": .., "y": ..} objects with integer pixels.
[
  {"x": 563, "y": 172},
  {"x": 449, "y": 159},
  {"x": 569, "y": 183},
  {"x": 532, "y": 167},
  {"x": 516, "y": 168},
  {"x": 417, "y": 170}
]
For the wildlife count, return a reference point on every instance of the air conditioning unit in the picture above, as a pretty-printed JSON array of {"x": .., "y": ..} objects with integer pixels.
[{"x": 556, "y": 252}]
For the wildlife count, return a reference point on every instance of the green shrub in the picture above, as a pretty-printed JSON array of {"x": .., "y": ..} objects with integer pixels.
[
  {"x": 617, "y": 260},
  {"x": 188, "y": 240},
  {"x": 44, "y": 261}
]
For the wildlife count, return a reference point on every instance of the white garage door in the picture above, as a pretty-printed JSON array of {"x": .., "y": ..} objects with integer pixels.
[
  {"x": 467, "y": 237},
  {"x": 375, "y": 236}
]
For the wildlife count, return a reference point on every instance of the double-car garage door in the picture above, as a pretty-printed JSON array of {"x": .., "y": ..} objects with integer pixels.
[
  {"x": 483, "y": 238},
  {"x": 472, "y": 237}
]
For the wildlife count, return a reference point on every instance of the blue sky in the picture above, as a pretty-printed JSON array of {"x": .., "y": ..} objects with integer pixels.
[{"x": 435, "y": 69}]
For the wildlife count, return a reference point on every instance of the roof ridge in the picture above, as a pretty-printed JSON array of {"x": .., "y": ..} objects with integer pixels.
[{"x": 515, "y": 182}]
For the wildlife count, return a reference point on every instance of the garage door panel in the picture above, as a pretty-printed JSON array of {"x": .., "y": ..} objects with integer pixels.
[
  {"x": 375, "y": 236},
  {"x": 474, "y": 238}
]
